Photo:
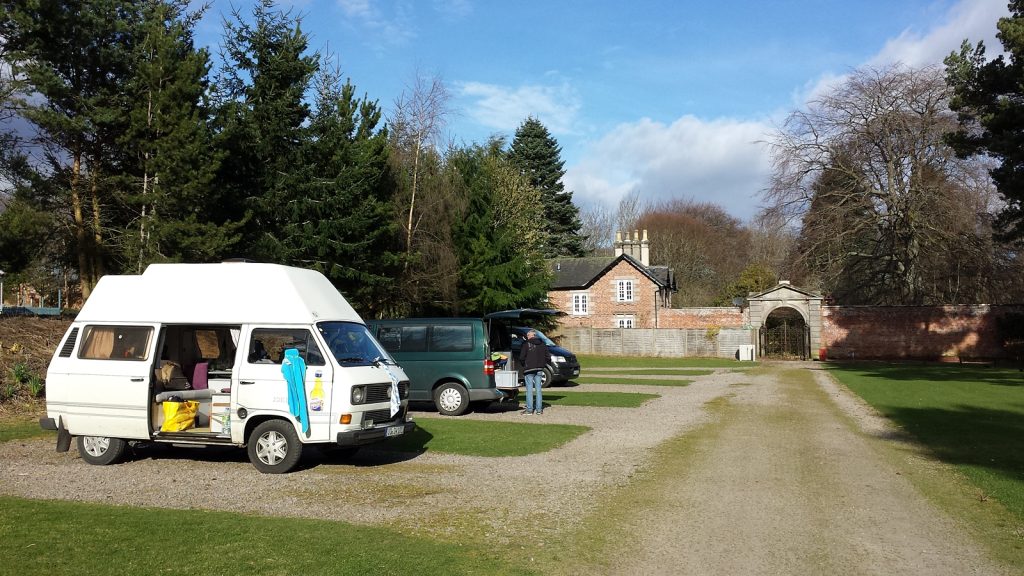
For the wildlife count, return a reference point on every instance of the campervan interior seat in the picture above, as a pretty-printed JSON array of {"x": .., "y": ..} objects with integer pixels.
[{"x": 184, "y": 395}]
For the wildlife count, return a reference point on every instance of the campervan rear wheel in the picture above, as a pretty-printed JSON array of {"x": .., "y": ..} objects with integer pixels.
[
  {"x": 451, "y": 399},
  {"x": 101, "y": 450},
  {"x": 274, "y": 447}
]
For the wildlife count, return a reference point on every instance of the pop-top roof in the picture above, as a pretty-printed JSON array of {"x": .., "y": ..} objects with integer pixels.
[{"x": 226, "y": 293}]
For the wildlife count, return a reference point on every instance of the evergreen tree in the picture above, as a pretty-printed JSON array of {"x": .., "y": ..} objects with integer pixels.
[
  {"x": 73, "y": 61},
  {"x": 538, "y": 156},
  {"x": 261, "y": 121},
  {"x": 341, "y": 224},
  {"x": 494, "y": 273},
  {"x": 989, "y": 99},
  {"x": 170, "y": 143}
]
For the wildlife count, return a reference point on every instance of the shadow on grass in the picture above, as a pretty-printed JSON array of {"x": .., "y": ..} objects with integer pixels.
[
  {"x": 937, "y": 372},
  {"x": 968, "y": 435}
]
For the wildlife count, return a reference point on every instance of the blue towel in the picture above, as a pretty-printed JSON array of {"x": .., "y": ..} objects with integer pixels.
[{"x": 294, "y": 369}]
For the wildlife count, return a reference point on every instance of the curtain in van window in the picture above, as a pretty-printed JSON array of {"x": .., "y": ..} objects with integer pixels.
[{"x": 99, "y": 343}]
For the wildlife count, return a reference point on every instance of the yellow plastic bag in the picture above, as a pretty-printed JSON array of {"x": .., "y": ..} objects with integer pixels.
[{"x": 179, "y": 416}]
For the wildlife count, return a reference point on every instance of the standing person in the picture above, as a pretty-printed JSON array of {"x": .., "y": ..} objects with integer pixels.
[{"x": 534, "y": 356}]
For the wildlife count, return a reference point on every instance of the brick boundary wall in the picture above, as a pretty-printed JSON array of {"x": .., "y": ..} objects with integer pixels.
[
  {"x": 950, "y": 333},
  {"x": 701, "y": 318}
]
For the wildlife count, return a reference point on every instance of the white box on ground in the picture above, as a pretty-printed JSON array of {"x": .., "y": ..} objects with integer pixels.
[{"x": 746, "y": 352}]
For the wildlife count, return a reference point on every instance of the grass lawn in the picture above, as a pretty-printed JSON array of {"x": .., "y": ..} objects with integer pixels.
[
  {"x": 601, "y": 399},
  {"x": 658, "y": 371},
  {"x": 57, "y": 538},
  {"x": 16, "y": 427},
  {"x": 630, "y": 381},
  {"x": 969, "y": 416},
  {"x": 483, "y": 438},
  {"x": 588, "y": 361}
]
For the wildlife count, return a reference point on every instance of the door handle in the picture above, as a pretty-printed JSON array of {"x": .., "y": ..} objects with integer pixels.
[
  {"x": 246, "y": 381},
  {"x": 138, "y": 379}
]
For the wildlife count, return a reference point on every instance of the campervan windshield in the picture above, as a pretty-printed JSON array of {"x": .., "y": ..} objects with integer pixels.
[{"x": 351, "y": 344}]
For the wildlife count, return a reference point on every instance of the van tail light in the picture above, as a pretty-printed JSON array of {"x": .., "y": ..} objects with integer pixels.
[{"x": 489, "y": 367}]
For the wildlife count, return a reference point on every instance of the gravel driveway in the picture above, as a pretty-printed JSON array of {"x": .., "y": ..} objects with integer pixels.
[{"x": 786, "y": 484}]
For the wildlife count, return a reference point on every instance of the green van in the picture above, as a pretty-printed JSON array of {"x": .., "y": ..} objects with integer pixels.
[{"x": 453, "y": 362}]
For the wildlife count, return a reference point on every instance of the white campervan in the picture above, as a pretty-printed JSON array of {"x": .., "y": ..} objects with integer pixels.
[{"x": 264, "y": 356}]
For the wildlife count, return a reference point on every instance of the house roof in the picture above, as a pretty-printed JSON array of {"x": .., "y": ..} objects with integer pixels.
[{"x": 577, "y": 273}]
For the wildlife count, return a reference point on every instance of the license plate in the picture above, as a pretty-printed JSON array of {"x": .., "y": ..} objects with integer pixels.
[{"x": 395, "y": 431}]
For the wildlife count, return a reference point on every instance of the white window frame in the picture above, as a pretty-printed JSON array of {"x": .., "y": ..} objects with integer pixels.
[
  {"x": 624, "y": 291},
  {"x": 581, "y": 304},
  {"x": 625, "y": 321}
]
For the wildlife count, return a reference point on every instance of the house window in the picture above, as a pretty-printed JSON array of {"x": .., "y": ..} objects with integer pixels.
[
  {"x": 622, "y": 321},
  {"x": 579, "y": 304},
  {"x": 625, "y": 291}
]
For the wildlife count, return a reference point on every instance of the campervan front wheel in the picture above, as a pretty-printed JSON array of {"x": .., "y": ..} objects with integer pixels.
[
  {"x": 101, "y": 450},
  {"x": 451, "y": 399},
  {"x": 274, "y": 447}
]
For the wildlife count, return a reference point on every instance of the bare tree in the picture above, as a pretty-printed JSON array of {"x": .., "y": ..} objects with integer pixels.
[
  {"x": 598, "y": 228},
  {"x": 416, "y": 125},
  {"x": 865, "y": 171},
  {"x": 705, "y": 246}
]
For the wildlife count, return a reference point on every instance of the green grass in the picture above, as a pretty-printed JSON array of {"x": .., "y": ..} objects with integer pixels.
[
  {"x": 970, "y": 417},
  {"x": 58, "y": 538},
  {"x": 19, "y": 427},
  {"x": 626, "y": 380},
  {"x": 601, "y": 399},
  {"x": 484, "y": 438},
  {"x": 660, "y": 371},
  {"x": 588, "y": 361}
]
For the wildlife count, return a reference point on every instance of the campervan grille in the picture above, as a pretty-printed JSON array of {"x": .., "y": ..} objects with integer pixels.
[
  {"x": 382, "y": 392},
  {"x": 379, "y": 416}
]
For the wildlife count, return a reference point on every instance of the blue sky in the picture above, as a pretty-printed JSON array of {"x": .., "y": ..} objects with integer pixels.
[{"x": 667, "y": 98}]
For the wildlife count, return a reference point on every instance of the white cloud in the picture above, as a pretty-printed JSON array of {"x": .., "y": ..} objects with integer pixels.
[
  {"x": 504, "y": 108},
  {"x": 972, "y": 20},
  {"x": 386, "y": 30},
  {"x": 720, "y": 161}
]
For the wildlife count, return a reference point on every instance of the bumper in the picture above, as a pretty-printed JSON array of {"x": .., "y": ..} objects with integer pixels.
[
  {"x": 485, "y": 394},
  {"x": 564, "y": 371},
  {"x": 372, "y": 435}
]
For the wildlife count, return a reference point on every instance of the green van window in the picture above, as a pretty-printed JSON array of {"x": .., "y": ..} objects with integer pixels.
[{"x": 451, "y": 338}]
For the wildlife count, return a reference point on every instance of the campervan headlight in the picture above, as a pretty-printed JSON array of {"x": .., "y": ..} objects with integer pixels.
[
  {"x": 358, "y": 394},
  {"x": 558, "y": 359}
]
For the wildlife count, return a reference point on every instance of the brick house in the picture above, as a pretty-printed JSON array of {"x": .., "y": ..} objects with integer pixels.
[{"x": 622, "y": 291}]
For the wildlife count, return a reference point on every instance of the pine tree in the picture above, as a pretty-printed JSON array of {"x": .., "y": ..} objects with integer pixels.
[
  {"x": 495, "y": 273},
  {"x": 341, "y": 223},
  {"x": 261, "y": 122},
  {"x": 74, "y": 60},
  {"x": 537, "y": 155},
  {"x": 989, "y": 99},
  {"x": 174, "y": 200}
]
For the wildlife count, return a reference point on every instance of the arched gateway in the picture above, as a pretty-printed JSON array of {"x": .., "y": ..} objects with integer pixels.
[{"x": 788, "y": 322}]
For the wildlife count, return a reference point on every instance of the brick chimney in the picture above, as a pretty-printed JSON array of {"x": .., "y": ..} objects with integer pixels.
[{"x": 633, "y": 246}]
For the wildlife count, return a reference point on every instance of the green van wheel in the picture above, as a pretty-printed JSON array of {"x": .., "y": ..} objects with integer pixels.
[{"x": 451, "y": 399}]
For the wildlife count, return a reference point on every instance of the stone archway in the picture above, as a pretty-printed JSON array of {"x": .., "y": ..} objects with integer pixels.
[
  {"x": 785, "y": 335},
  {"x": 802, "y": 303}
]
